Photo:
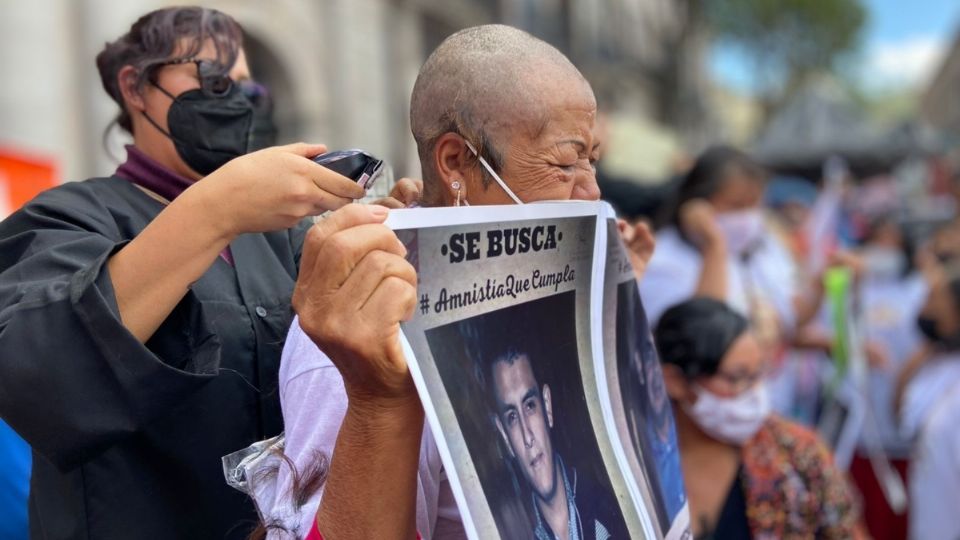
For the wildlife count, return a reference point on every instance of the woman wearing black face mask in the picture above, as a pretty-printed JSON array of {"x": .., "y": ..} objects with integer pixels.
[
  {"x": 142, "y": 314},
  {"x": 928, "y": 402},
  {"x": 939, "y": 324}
]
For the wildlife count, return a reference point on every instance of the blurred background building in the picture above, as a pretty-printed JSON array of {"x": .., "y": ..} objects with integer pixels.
[
  {"x": 941, "y": 101},
  {"x": 341, "y": 71}
]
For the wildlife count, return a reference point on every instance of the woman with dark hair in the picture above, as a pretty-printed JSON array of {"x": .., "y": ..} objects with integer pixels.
[
  {"x": 715, "y": 243},
  {"x": 142, "y": 314},
  {"x": 718, "y": 243},
  {"x": 748, "y": 474}
]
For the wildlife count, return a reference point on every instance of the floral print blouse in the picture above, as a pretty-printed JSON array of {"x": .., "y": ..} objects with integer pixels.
[{"x": 793, "y": 490}]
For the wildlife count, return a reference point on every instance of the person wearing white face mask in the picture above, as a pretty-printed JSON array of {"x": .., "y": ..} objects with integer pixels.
[
  {"x": 748, "y": 473},
  {"x": 715, "y": 243}
]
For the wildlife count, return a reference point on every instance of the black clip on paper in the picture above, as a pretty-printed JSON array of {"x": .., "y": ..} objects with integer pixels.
[{"x": 355, "y": 164}]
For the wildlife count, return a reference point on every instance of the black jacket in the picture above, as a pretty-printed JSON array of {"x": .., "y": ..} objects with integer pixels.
[{"x": 127, "y": 438}]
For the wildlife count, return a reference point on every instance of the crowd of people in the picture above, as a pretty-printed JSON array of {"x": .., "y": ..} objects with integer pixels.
[{"x": 187, "y": 306}]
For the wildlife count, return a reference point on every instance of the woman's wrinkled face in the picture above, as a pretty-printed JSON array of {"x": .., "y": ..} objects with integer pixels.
[{"x": 555, "y": 162}]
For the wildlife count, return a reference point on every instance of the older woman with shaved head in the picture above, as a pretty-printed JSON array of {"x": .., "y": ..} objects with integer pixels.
[
  {"x": 499, "y": 94},
  {"x": 499, "y": 117}
]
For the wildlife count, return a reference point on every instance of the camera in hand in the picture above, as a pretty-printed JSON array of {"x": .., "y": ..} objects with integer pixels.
[{"x": 355, "y": 164}]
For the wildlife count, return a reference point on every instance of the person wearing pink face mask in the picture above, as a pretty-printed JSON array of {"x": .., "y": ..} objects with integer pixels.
[{"x": 747, "y": 472}]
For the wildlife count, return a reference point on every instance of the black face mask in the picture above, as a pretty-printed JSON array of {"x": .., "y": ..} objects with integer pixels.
[
  {"x": 928, "y": 327},
  {"x": 209, "y": 131}
]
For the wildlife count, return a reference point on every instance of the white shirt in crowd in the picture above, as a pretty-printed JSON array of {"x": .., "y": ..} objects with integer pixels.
[
  {"x": 314, "y": 403},
  {"x": 930, "y": 412},
  {"x": 768, "y": 275},
  {"x": 890, "y": 308}
]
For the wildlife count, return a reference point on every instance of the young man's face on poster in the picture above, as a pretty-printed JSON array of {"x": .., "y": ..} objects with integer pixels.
[{"x": 524, "y": 418}]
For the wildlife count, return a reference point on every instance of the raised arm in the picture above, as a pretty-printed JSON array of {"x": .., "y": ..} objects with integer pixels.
[
  {"x": 699, "y": 224},
  {"x": 264, "y": 191},
  {"x": 354, "y": 289}
]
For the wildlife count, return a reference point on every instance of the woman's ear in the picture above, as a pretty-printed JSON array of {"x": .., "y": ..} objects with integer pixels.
[
  {"x": 676, "y": 383},
  {"x": 129, "y": 89},
  {"x": 454, "y": 165}
]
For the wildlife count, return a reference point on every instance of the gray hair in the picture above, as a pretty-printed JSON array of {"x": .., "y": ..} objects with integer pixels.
[{"x": 477, "y": 82}]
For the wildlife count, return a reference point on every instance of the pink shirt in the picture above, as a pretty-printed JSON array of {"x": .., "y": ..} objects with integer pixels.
[{"x": 314, "y": 403}]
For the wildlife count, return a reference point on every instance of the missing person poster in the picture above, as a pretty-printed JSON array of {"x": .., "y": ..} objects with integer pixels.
[
  {"x": 632, "y": 384},
  {"x": 507, "y": 355}
]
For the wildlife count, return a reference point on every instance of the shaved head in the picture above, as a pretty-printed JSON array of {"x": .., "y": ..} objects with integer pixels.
[{"x": 484, "y": 83}]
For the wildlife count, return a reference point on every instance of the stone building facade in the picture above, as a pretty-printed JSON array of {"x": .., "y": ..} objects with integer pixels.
[{"x": 340, "y": 71}]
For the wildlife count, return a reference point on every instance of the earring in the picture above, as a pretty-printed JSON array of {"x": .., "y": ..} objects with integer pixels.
[{"x": 456, "y": 185}]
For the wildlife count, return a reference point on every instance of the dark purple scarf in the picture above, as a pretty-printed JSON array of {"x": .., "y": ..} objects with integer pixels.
[{"x": 142, "y": 170}]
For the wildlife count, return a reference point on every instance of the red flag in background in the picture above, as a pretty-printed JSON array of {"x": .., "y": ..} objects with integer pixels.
[{"x": 22, "y": 177}]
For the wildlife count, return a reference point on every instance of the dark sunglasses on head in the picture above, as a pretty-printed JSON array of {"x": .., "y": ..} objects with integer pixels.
[{"x": 215, "y": 82}]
